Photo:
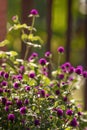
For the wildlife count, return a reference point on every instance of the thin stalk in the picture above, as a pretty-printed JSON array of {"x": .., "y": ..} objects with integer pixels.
[{"x": 27, "y": 48}]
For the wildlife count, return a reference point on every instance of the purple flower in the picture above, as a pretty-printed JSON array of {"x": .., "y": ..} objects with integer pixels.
[
  {"x": 4, "y": 100},
  {"x": 1, "y": 73},
  {"x": 21, "y": 69},
  {"x": 57, "y": 92},
  {"x": 78, "y": 70},
  {"x": 6, "y": 75},
  {"x": 19, "y": 77},
  {"x": 61, "y": 76},
  {"x": 74, "y": 123},
  {"x": 11, "y": 117},
  {"x": 67, "y": 64},
  {"x": 71, "y": 69},
  {"x": 6, "y": 108},
  {"x": 4, "y": 83},
  {"x": 65, "y": 98},
  {"x": 14, "y": 18},
  {"x": 27, "y": 88},
  {"x": 8, "y": 103},
  {"x": 84, "y": 74},
  {"x": 1, "y": 90},
  {"x": 60, "y": 49},
  {"x": 59, "y": 112},
  {"x": 34, "y": 54},
  {"x": 48, "y": 54},
  {"x": 42, "y": 93},
  {"x": 16, "y": 85},
  {"x": 34, "y": 12},
  {"x": 42, "y": 61},
  {"x": 69, "y": 112},
  {"x": 32, "y": 74},
  {"x": 23, "y": 110},
  {"x": 36, "y": 122},
  {"x": 26, "y": 101},
  {"x": 19, "y": 103}
]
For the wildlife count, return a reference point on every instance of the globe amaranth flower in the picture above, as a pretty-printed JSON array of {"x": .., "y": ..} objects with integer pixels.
[
  {"x": 32, "y": 74},
  {"x": 34, "y": 54},
  {"x": 61, "y": 76},
  {"x": 6, "y": 75},
  {"x": 84, "y": 74},
  {"x": 19, "y": 103},
  {"x": 21, "y": 69},
  {"x": 42, "y": 61},
  {"x": 34, "y": 12},
  {"x": 26, "y": 101},
  {"x": 67, "y": 64},
  {"x": 16, "y": 85},
  {"x": 4, "y": 83},
  {"x": 23, "y": 110},
  {"x": 11, "y": 117},
  {"x": 48, "y": 54},
  {"x": 8, "y": 103},
  {"x": 57, "y": 92},
  {"x": 42, "y": 93},
  {"x": 6, "y": 108},
  {"x": 71, "y": 69},
  {"x": 1, "y": 73},
  {"x": 78, "y": 70},
  {"x": 74, "y": 122},
  {"x": 36, "y": 122},
  {"x": 60, "y": 49},
  {"x": 1, "y": 90},
  {"x": 4, "y": 100},
  {"x": 27, "y": 88},
  {"x": 69, "y": 112},
  {"x": 59, "y": 112}
]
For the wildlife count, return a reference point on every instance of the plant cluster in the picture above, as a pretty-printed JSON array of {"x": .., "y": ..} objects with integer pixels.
[{"x": 29, "y": 99}]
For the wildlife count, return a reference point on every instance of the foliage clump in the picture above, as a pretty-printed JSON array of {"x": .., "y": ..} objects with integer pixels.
[{"x": 29, "y": 99}]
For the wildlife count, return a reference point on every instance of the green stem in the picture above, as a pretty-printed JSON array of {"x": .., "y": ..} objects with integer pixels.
[{"x": 28, "y": 47}]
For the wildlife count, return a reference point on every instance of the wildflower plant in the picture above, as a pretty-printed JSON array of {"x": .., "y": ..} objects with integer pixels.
[{"x": 29, "y": 99}]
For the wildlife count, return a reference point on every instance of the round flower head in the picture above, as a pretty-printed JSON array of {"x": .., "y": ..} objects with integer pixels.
[
  {"x": 78, "y": 70},
  {"x": 34, "y": 54},
  {"x": 11, "y": 117},
  {"x": 61, "y": 76},
  {"x": 60, "y": 49},
  {"x": 1, "y": 90},
  {"x": 19, "y": 103},
  {"x": 59, "y": 112},
  {"x": 6, "y": 108},
  {"x": 67, "y": 64},
  {"x": 32, "y": 74},
  {"x": 69, "y": 112},
  {"x": 27, "y": 88},
  {"x": 42, "y": 61},
  {"x": 16, "y": 85},
  {"x": 74, "y": 123},
  {"x": 48, "y": 54},
  {"x": 84, "y": 74},
  {"x": 34, "y": 12},
  {"x": 6, "y": 75},
  {"x": 36, "y": 122},
  {"x": 23, "y": 110},
  {"x": 4, "y": 83},
  {"x": 57, "y": 92}
]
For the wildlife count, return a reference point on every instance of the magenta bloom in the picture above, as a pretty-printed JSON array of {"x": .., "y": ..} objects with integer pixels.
[
  {"x": 36, "y": 122},
  {"x": 47, "y": 54},
  {"x": 59, "y": 112},
  {"x": 60, "y": 49},
  {"x": 11, "y": 117},
  {"x": 42, "y": 61},
  {"x": 69, "y": 112},
  {"x": 84, "y": 74},
  {"x": 6, "y": 75},
  {"x": 32, "y": 74},
  {"x": 78, "y": 70},
  {"x": 34, "y": 12},
  {"x": 27, "y": 88},
  {"x": 16, "y": 85},
  {"x": 74, "y": 123},
  {"x": 23, "y": 110}
]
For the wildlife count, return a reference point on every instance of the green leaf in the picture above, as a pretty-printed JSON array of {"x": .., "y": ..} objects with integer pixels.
[
  {"x": 32, "y": 38},
  {"x": 12, "y": 53},
  {"x": 3, "y": 43},
  {"x": 2, "y": 54}
]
